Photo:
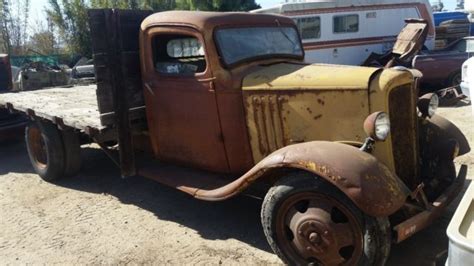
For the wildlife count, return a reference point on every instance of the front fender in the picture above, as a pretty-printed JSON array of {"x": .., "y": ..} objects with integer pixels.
[
  {"x": 367, "y": 182},
  {"x": 443, "y": 130}
]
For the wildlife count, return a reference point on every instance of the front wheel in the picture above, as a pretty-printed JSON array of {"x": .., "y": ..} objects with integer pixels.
[{"x": 308, "y": 221}]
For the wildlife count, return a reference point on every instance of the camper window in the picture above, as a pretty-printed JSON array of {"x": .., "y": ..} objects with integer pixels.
[
  {"x": 178, "y": 54},
  {"x": 346, "y": 23},
  {"x": 309, "y": 27}
]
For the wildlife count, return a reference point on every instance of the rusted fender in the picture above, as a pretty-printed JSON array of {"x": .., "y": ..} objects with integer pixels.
[
  {"x": 447, "y": 130},
  {"x": 367, "y": 182}
]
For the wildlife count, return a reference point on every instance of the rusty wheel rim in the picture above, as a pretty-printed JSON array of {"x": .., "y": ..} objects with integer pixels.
[
  {"x": 37, "y": 147},
  {"x": 315, "y": 229}
]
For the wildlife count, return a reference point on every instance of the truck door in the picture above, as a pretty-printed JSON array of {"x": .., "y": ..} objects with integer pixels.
[{"x": 180, "y": 99}]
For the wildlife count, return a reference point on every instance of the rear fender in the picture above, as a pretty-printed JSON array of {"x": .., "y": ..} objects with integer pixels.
[{"x": 359, "y": 175}]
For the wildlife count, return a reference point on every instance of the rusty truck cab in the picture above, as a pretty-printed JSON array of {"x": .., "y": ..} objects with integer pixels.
[{"x": 194, "y": 102}]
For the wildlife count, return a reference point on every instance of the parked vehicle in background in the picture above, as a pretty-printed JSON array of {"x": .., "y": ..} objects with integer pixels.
[
  {"x": 11, "y": 125},
  {"x": 343, "y": 156},
  {"x": 83, "y": 72},
  {"x": 347, "y": 32},
  {"x": 450, "y": 31},
  {"x": 442, "y": 68},
  {"x": 451, "y": 26}
]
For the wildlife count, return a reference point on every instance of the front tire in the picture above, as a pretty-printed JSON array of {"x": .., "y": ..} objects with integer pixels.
[{"x": 308, "y": 221}]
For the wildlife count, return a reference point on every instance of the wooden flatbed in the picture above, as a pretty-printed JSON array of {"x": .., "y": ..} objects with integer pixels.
[{"x": 74, "y": 107}]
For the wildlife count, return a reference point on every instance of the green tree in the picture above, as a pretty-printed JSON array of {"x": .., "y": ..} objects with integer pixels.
[
  {"x": 217, "y": 5},
  {"x": 43, "y": 39},
  {"x": 14, "y": 25},
  {"x": 70, "y": 16}
]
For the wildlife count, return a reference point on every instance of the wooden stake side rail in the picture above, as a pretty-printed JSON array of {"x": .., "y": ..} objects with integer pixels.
[{"x": 74, "y": 107}]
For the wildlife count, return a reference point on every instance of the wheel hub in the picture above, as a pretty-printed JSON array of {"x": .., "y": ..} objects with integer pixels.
[
  {"x": 313, "y": 236},
  {"x": 320, "y": 230}
]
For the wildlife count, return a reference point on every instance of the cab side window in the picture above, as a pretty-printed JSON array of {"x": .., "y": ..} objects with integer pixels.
[{"x": 178, "y": 54}]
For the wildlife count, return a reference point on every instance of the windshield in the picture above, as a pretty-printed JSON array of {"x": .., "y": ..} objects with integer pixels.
[{"x": 238, "y": 44}]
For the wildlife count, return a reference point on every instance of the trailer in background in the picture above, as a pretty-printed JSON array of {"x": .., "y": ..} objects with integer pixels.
[{"x": 347, "y": 32}]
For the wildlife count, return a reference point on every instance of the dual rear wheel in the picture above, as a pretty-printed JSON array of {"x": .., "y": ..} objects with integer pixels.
[{"x": 53, "y": 153}]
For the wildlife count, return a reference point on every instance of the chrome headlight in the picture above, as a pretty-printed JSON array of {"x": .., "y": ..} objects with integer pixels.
[
  {"x": 428, "y": 104},
  {"x": 377, "y": 126},
  {"x": 433, "y": 106}
]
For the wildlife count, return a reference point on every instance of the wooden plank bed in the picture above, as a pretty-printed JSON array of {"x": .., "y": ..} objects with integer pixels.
[{"x": 74, "y": 107}]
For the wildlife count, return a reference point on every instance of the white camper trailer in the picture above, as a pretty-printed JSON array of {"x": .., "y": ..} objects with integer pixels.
[{"x": 347, "y": 32}]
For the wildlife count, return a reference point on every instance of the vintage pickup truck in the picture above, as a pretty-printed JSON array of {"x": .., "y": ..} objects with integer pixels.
[{"x": 346, "y": 159}]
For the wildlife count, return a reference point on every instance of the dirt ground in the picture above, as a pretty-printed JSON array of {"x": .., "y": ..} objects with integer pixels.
[{"x": 98, "y": 218}]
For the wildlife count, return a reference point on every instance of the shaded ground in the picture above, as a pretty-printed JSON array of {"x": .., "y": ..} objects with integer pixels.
[{"x": 99, "y": 218}]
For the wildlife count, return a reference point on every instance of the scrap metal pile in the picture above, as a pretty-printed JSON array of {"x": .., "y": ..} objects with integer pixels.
[{"x": 38, "y": 75}]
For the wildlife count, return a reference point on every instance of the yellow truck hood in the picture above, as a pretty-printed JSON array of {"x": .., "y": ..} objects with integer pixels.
[{"x": 287, "y": 76}]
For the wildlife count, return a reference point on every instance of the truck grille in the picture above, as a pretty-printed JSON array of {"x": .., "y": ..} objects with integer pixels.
[{"x": 403, "y": 119}]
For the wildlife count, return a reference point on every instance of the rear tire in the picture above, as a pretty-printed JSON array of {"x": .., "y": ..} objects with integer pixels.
[
  {"x": 303, "y": 217},
  {"x": 45, "y": 150}
]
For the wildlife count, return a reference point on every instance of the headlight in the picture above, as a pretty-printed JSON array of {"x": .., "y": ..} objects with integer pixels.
[
  {"x": 382, "y": 126},
  {"x": 433, "y": 106},
  {"x": 428, "y": 104},
  {"x": 377, "y": 126}
]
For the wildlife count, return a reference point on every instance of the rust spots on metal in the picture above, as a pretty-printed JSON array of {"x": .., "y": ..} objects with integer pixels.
[
  {"x": 416, "y": 223},
  {"x": 269, "y": 122},
  {"x": 368, "y": 183},
  {"x": 403, "y": 133}
]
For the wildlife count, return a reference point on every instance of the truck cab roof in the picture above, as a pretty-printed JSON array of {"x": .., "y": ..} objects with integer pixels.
[{"x": 207, "y": 21}]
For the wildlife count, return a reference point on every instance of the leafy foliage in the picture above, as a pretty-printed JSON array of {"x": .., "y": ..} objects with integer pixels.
[
  {"x": 217, "y": 5},
  {"x": 70, "y": 16},
  {"x": 14, "y": 25}
]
